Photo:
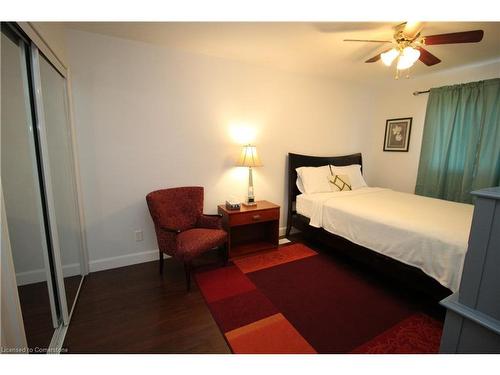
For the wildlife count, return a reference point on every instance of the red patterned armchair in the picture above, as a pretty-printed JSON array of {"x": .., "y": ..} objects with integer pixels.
[{"x": 182, "y": 230}]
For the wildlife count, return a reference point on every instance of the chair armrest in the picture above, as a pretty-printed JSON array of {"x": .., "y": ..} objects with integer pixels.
[
  {"x": 210, "y": 221},
  {"x": 171, "y": 230}
]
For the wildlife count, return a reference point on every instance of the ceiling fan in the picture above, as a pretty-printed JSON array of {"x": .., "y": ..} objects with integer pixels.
[{"x": 408, "y": 45}]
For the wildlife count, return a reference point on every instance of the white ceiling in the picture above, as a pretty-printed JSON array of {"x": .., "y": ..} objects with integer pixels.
[{"x": 301, "y": 47}]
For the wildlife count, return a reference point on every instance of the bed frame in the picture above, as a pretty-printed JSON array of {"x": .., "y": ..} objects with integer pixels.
[{"x": 404, "y": 274}]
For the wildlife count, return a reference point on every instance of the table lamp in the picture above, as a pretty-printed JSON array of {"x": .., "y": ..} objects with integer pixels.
[{"x": 249, "y": 158}]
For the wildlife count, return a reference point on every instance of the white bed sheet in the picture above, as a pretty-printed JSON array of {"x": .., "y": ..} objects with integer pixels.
[{"x": 427, "y": 233}]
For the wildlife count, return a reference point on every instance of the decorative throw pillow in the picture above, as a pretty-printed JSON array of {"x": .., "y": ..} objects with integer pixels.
[{"x": 340, "y": 182}]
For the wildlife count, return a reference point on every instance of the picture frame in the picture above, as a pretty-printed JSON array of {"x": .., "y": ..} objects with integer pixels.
[{"x": 397, "y": 134}]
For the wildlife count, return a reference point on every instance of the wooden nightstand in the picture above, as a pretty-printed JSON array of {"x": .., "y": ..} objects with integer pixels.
[{"x": 251, "y": 229}]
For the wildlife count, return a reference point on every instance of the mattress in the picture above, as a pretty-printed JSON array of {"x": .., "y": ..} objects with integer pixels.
[{"x": 427, "y": 233}]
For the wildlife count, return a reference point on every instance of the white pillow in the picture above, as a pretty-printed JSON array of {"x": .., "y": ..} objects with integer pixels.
[
  {"x": 315, "y": 179},
  {"x": 354, "y": 173},
  {"x": 299, "y": 184}
]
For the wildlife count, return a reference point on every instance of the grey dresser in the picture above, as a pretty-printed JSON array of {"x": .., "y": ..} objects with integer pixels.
[{"x": 472, "y": 322}]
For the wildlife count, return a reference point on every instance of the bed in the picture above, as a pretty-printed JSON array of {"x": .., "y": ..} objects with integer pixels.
[{"x": 418, "y": 240}]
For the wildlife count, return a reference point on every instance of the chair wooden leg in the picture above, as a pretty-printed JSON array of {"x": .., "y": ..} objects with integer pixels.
[
  {"x": 224, "y": 253},
  {"x": 187, "y": 270},
  {"x": 161, "y": 262}
]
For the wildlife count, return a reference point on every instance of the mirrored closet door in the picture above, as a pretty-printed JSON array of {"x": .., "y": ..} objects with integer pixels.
[
  {"x": 23, "y": 198},
  {"x": 62, "y": 176},
  {"x": 39, "y": 187}
]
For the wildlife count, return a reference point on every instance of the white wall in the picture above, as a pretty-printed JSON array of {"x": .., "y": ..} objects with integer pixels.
[
  {"x": 148, "y": 117},
  {"x": 394, "y": 99}
]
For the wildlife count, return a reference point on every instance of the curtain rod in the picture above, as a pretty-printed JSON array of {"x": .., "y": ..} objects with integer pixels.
[{"x": 416, "y": 93}]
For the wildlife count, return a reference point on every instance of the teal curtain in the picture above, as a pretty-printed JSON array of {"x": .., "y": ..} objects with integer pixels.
[{"x": 461, "y": 141}]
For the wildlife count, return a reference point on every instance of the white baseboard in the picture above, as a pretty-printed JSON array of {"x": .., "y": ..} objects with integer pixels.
[
  {"x": 39, "y": 275},
  {"x": 123, "y": 260},
  {"x": 282, "y": 231}
]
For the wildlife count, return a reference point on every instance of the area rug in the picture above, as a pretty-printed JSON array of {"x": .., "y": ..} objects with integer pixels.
[{"x": 294, "y": 300}]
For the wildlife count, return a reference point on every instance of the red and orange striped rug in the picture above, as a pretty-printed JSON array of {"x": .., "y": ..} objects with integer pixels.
[{"x": 294, "y": 300}]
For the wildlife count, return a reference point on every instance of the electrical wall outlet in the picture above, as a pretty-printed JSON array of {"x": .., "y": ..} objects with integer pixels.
[{"x": 138, "y": 235}]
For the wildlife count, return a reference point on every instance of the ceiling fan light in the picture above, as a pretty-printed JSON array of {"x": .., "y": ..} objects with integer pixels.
[
  {"x": 408, "y": 58},
  {"x": 404, "y": 63},
  {"x": 411, "y": 54},
  {"x": 389, "y": 56}
]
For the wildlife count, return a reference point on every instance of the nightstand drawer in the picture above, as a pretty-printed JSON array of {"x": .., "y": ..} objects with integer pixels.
[{"x": 254, "y": 217}]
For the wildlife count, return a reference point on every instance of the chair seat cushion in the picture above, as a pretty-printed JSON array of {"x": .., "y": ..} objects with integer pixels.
[{"x": 193, "y": 242}]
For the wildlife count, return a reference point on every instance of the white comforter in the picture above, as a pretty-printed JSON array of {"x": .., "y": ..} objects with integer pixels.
[{"x": 427, "y": 233}]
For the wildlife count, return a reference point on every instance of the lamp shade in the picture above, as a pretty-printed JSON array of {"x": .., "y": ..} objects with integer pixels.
[
  {"x": 249, "y": 157},
  {"x": 389, "y": 56},
  {"x": 408, "y": 58}
]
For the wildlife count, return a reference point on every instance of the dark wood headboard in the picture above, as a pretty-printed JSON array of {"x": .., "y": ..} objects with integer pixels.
[{"x": 297, "y": 160}]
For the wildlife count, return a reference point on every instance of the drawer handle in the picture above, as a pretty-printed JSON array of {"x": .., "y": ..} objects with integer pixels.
[{"x": 256, "y": 217}]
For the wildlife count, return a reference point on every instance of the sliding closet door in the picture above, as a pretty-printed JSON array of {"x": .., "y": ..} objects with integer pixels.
[
  {"x": 62, "y": 175},
  {"x": 23, "y": 197}
]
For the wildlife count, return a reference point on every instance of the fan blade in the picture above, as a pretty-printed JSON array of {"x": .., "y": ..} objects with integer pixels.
[
  {"x": 411, "y": 29},
  {"x": 428, "y": 58},
  {"x": 399, "y": 26},
  {"x": 367, "y": 40},
  {"x": 460, "y": 37},
  {"x": 376, "y": 58}
]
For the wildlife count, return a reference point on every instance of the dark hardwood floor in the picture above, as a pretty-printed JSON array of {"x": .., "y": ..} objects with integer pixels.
[
  {"x": 71, "y": 285},
  {"x": 135, "y": 310},
  {"x": 35, "y": 307},
  {"x": 37, "y": 318}
]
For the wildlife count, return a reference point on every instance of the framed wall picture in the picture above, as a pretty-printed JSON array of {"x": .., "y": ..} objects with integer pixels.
[{"x": 397, "y": 134}]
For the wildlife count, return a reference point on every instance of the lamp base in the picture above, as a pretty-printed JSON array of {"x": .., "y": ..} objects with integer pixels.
[
  {"x": 250, "y": 198},
  {"x": 249, "y": 204}
]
